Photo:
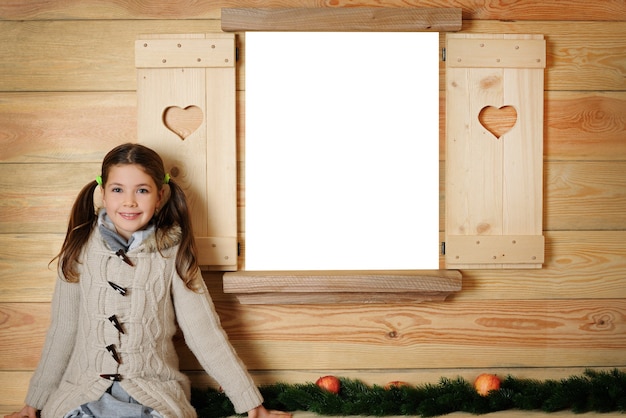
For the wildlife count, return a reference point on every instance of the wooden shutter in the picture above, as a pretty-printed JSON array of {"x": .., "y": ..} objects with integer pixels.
[
  {"x": 186, "y": 112},
  {"x": 494, "y": 151}
]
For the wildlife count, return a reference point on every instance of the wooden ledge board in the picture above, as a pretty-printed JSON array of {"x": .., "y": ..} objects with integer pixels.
[
  {"x": 353, "y": 19},
  {"x": 300, "y": 287}
]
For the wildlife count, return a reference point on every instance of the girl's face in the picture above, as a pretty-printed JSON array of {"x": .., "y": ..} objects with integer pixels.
[{"x": 130, "y": 198}]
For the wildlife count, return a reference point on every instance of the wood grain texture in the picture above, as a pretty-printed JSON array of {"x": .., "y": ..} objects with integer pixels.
[
  {"x": 65, "y": 127},
  {"x": 494, "y": 183},
  {"x": 27, "y": 274},
  {"x": 22, "y": 331},
  {"x": 589, "y": 263},
  {"x": 183, "y": 9},
  {"x": 594, "y": 60},
  {"x": 34, "y": 126},
  {"x": 577, "y": 263},
  {"x": 38, "y": 197},
  {"x": 301, "y": 287},
  {"x": 67, "y": 93},
  {"x": 585, "y": 126},
  {"x": 589, "y": 58},
  {"x": 598, "y": 187},
  {"x": 365, "y": 19},
  {"x": 543, "y": 334},
  {"x": 30, "y": 205},
  {"x": 528, "y": 333},
  {"x": 49, "y": 50}
]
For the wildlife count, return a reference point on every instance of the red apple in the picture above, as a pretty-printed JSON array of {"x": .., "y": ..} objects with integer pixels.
[
  {"x": 396, "y": 384},
  {"x": 485, "y": 383},
  {"x": 329, "y": 383}
]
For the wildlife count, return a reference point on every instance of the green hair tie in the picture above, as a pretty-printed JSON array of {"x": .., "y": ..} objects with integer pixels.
[
  {"x": 99, "y": 180},
  {"x": 166, "y": 180}
]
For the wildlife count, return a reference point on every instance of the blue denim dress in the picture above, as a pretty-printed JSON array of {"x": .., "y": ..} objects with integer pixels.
[{"x": 115, "y": 403}]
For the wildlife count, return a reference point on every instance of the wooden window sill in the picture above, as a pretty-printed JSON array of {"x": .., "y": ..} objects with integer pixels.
[{"x": 330, "y": 287}]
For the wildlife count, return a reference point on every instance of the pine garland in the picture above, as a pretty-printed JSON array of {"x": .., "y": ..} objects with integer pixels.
[{"x": 603, "y": 391}]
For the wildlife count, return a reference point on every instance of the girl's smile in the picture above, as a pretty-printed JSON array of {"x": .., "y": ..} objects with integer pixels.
[{"x": 130, "y": 197}]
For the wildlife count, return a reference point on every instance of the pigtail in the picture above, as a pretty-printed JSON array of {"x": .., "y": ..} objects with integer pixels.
[
  {"x": 82, "y": 220},
  {"x": 175, "y": 211}
]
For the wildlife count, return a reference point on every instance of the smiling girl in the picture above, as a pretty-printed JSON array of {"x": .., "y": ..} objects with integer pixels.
[{"x": 128, "y": 276}]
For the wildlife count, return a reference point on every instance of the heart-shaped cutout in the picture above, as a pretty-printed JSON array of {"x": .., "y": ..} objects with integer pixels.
[
  {"x": 183, "y": 122},
  {"x": 498, "y": 121}
]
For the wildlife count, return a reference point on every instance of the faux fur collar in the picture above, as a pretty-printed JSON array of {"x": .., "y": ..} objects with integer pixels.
[{"x": 168, "y": 239}]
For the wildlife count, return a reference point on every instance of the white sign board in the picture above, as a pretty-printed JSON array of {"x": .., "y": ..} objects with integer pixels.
[{"x": 341, "y": 151}]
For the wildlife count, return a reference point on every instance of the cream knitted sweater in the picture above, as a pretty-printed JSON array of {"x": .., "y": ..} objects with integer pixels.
[{"x": 126, "y": 334}]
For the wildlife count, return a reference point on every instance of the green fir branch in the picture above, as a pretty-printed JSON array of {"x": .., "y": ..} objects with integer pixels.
[{"x": 594, "y": 391}]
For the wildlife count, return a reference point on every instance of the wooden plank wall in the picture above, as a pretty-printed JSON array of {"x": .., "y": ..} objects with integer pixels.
[{"x": 67, "y": 95}]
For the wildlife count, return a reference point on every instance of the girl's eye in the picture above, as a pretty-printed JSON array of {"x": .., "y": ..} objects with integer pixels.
[
  {"x": 116, "y": 189},
  {"x": 143, "y": 191}
]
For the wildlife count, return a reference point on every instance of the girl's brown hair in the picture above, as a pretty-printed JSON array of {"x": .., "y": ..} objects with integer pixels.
[{"x": 174, "y": 212}]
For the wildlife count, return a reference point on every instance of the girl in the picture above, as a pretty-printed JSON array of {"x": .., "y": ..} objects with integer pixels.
[{"x": 127, "y": 275}]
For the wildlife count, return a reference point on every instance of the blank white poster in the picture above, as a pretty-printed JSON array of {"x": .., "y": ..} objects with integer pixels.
[{"x": 341, "y": 151}]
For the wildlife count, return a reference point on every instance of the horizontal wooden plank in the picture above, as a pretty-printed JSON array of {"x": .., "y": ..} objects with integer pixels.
[
  {"x": 582, "y": 195},
  {"x": 504, "y": 334},
  {"x": 14, "y": 387},
  {"x": 65, "y": 127},
  {"x": 589, "y": 263},
  {"x": 39, "y": 197},
  {"x": 25, "y": 257},
  {"x": 100, "y": 54},
  {"x": 26, "y": 271},
  {"x": 497, "y": 333},
  {"x": 578, "y": 195},
  {"x": 370, "y": 19},
  {"x": 577, "y": 264},
  {"x": 34, "y": 128},
  {"x": 594, "y": 60},
  {"x": 584, "y": 125},
  {"x": 22, "y": 332},
  {"x": 178, "y": 9}
]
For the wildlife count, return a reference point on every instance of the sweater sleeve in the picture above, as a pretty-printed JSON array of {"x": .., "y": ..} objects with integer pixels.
[
  {"x": 59, "y": 343},
  {"x": 197, "y": 318}
]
